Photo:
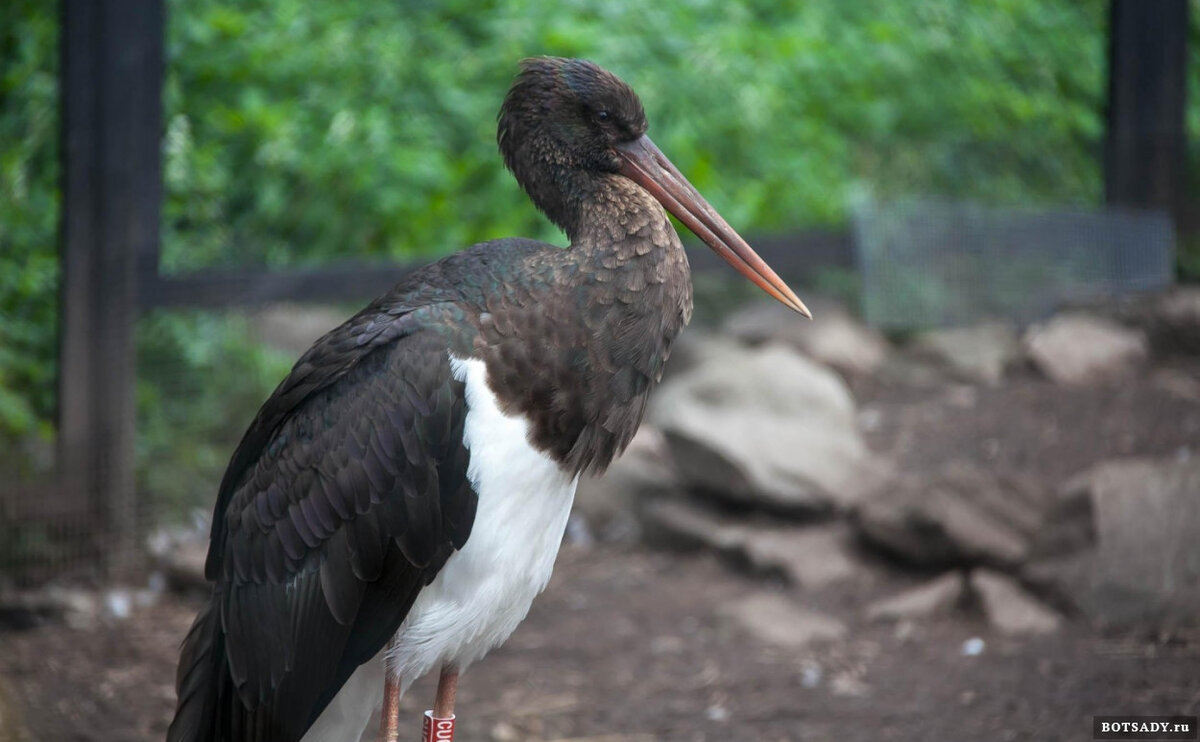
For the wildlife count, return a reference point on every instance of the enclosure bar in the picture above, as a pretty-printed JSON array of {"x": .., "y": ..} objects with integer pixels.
[
  {"x": 111, "y": 77},
  {"x": 798, "y": 256},
  {"x": 1146, "y": 145}
]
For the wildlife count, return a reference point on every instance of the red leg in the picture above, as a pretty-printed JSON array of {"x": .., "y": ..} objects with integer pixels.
[
  {"x": 389, "y": 722},
  {"x": 439, "y": 723}
]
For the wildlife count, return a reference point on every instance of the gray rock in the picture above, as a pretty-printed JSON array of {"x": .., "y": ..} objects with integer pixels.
[
  {"x": 1170, "y": 319},
  {"x": 978, "y": 353},
  {"x": 778, "y": 621},
  {"x": 959, "y": 515},
  {"x": 1148, "y": 522},
  {"x": 913, "y": 370},
  {"x": 179, "y": 554},
  {"x": 767, "y": 427},
  {"x": 835, "y": 338},
  {"x": 698, "y": 347},
  {"x": 1144, "y": 564},
  {"x": 1080, "y": 349},
  {"x": 1177, "y": 383},
  {"x": 809, "y": 556},
  {"x": 682, "y": 524},
  {"x": 1070, "y": 524},
  {"x": 184, "y": 567},
  {"x": 936, "y": 597},
  {"x": 1175, "y": 321},
  {"x": 1010, "y": 609},
  {"x": 23, "y": 609},
  {"x": 609, "y": 503}
]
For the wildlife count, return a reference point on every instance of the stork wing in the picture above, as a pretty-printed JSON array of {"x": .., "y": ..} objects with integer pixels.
[{"x": 345, "y": 497}]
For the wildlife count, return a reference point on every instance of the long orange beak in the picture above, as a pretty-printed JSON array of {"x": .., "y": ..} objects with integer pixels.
[{"x": 646, "y": 165}]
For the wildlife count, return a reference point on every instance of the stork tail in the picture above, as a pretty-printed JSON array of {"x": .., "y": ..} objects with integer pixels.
[{"x": 203, "y": 677}]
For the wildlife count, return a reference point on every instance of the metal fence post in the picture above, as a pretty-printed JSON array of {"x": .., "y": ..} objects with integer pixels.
[{"x": 111, "y": 88}]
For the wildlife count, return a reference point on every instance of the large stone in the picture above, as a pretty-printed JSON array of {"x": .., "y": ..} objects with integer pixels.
[
  {"x": 767, "y": 427},
  {"x": 681, "y": 524},
  {"x": 1171, "y": 319},
  {"x": 1008, "y": 607},
  {"x": 609, "y": 503},
  {"x": 1145, "y": 563},
  {"x": 978, "y": 353},
  {"x": 937, "y": 597},
  {"x": 809, "y": 556},
  {"x": 778, "y": 621},
  {"x": 699, "y": 347},
  {"x": 1079, "y": 349},
  {"x": 834, "y": 338},
  {"x": 958, "y": 515},
  {"x": 179, "y": 554},
  {"x": 184, "y": 567}
]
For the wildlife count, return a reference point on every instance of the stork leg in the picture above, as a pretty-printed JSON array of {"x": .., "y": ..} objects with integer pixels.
[
  {"x": 389, "y": 723},
  {"x": 439, "y": 723}
]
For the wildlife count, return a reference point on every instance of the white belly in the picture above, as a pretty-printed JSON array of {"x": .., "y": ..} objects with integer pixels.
[{"x": 484, "y": 590}]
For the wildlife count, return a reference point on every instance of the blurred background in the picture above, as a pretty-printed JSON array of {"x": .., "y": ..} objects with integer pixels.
[{"x": 962, "y": 503}]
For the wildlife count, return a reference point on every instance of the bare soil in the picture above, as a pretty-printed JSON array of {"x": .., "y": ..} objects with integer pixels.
[{"x": 630, "y": 644}]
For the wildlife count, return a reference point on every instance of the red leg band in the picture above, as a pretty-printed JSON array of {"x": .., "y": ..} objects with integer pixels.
[{"x": 438, "y": 730}]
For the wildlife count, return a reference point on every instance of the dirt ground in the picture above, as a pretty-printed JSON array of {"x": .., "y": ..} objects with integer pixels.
[{"x": 630, "y": 644}]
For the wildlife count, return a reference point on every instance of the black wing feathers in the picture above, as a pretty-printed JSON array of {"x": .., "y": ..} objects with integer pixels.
[{"x": 343, "y": 500}]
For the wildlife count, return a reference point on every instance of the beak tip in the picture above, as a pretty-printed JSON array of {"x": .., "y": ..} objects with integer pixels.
[{"x": 793, "y": 302}]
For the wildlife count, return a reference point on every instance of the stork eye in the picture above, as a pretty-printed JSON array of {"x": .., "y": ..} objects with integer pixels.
[{"x": 602, "y": 116}]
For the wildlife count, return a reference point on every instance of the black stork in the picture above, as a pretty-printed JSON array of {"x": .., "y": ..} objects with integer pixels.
[{"x": 399, "y": 500}]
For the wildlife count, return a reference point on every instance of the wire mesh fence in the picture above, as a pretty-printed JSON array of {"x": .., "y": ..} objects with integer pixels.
[{"x": 928, "y": 263}]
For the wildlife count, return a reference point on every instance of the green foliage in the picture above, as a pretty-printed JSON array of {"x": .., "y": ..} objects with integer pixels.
[
  {"x": 302, "y": 131},
  {"x": 201, "y": 381},
  {"x": 28, "y": 215}
]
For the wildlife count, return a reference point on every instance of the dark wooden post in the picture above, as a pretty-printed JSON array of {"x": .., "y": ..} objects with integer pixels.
[
  {"x": 1146, "y": 147},
  {"x": 111, "y": 85}
]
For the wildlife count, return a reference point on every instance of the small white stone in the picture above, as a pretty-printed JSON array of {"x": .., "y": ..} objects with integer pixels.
[
  {"x": 157, "y": 582},
  {"x": 716, "y": 712},
  {"x": 118, "y": 603},
  {"x": 973, "y": 647},
  {"x": 810, "y": 675}
]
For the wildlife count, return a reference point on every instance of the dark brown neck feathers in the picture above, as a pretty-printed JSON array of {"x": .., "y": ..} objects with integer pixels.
[{"x": 578, "y": 352}]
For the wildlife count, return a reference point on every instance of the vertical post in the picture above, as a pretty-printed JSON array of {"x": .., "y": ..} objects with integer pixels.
[
  {"x": 1145, "y": 151},
  {"x": 110, "y": 87}
]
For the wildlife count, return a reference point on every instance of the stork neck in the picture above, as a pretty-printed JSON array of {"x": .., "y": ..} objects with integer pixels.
[{"x": 614, "y": 212}]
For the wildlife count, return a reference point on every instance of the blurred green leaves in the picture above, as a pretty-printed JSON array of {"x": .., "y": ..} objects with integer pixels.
[
  {"x": 201, "y": 380},
  {"x": 307, "y": 131},
  {"x": 28, "y": 215}
]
